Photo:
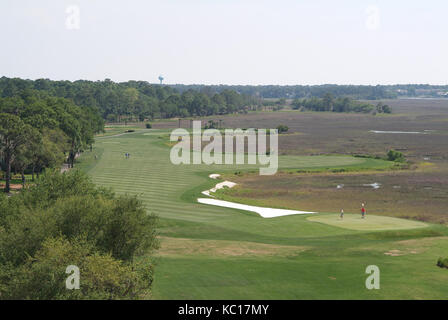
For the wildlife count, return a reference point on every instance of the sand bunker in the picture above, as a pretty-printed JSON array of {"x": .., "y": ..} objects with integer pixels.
[
  {"x": 224, "y": 184},
  {"x": 264, "y": 212}
]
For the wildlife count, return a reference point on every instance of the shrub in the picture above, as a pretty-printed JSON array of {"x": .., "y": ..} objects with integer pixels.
[
  {"x": 397, "y": 156},
  {"x": 211, "y": 125},
  {"x": 383, "y": 108},
  {"x": 43, "y": 275},
  {"x": 442, "y": 263},
  {"x": 148, "y": 125},
  {"x": 282, "y": 129},
  {"x": 66, "y": 220}
]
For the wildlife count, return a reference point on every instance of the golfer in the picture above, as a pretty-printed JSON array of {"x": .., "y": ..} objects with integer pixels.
[
  {"x": 363, "y": 211},
  {"x": 342, "y": 214}
]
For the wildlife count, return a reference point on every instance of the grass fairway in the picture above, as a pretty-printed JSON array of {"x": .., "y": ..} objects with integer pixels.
[
  {"x": 369, "y": 223},
  {"x": 212, "y": 252}
]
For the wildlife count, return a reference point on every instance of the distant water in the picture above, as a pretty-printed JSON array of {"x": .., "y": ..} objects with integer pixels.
[
  {"x": 411, "y": 132},
  {"x": 375, "y": 185}
]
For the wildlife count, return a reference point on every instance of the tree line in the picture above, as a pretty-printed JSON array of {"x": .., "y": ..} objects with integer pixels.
[
  {"x": 359, "y": 92},
  {"x": 301, "y": 91},
  {"x": 133, "y": 100}
]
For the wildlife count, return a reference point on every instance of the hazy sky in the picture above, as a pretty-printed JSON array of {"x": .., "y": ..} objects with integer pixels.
[{"x": 227, "y": 41}]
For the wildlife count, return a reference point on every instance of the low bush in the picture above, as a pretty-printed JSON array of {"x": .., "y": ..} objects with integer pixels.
[
  {"x": 64, "y": 219},
  {"x": 282, "y": 129},
  {"x": 442, "y": 263},
  {"x": 338, "y": 170},
  {"x": 397, "y": 156}
]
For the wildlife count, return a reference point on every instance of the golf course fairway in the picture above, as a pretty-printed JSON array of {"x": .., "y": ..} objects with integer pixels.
[{"x": 210, "y": 252}]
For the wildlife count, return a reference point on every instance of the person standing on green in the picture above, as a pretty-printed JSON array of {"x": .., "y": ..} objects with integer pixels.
[{"x": 363, "y": 211}]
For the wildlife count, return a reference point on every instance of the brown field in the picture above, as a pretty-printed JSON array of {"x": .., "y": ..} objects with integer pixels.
[
  {"x": 326, "y": 133},
  {"x": 419, "y": 193}
]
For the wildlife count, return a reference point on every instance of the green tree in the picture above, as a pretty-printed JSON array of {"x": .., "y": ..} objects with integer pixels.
[
  {"x": 14, "y": 135},
  {"x": 282, "y": 129},
  {"x": 296, "y": 104},
  {"x": 50, "y": 153},
  {"x": 397, "y": 156},
  {"x": 129, "y": 98},
  {"x": 64, "y": 219},
  {"x": 328, "y": 101},
  {"x": 43, "y": 276},
  {"x": 24, "y": 154}
]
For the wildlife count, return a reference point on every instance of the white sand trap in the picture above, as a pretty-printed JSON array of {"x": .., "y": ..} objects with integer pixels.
[
  {"x": 228, "y": 184},
  {"x": 264, "y": 212}
]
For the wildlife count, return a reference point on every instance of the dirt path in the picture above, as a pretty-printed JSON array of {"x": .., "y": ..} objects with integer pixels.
[{"x": 122, "y": 134}]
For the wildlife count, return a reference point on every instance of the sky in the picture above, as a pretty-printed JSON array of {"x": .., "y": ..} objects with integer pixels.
[{"x": 245, "y": 42}]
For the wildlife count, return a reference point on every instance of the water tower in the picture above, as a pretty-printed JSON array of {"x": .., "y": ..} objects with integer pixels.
[{"x": 161, "y": 79}]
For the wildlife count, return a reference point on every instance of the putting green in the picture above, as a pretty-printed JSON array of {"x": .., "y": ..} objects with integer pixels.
[{"x": 370, "y": 223}]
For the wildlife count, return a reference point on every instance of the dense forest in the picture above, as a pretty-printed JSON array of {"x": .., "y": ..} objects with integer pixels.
[{"x": 132, "y": 100}]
